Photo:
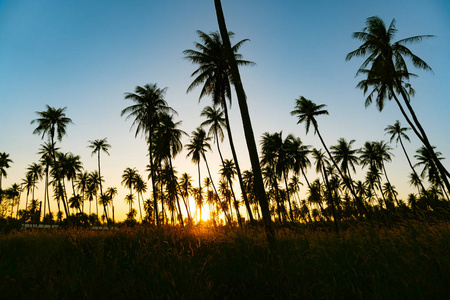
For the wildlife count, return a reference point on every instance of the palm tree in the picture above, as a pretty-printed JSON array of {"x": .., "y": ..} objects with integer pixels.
[
  {"x": 111, "y": 192},
  {"x": 149, "y": 103},
  {"x": 370, "y": 156},
  {"x": 388, "y": 74},
  {"x": 345, "y": 156},
  {"x": 141, "y": 187},
  {"x": 169, "y": 146},
  {"x": 398, "y": 133},
  {"x": 46, "y": 160},
  {"x": 129, "y": 180},
  {"x": 4, "y": 164},
  {"x": 98, "y": 146},
  {"x": 214, "y": 74},
  {"x": 425, "y": 159},
  {"x": 93, "y": 183},
  {"x": 228, "y": 171},
  {"x": 197, "y": 148},
  {"x": 306, "y": 111},
  {"x": 185, "y": 187},
  {"x": 216, "y": 121},
  {"x": 35, "y": 171},
  {"x": 50, "y": 122},
  {"x": 260, "y": 193}
]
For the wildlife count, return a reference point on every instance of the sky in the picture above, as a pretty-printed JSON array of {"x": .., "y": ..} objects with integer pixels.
[{"x": 84, "y": 55}]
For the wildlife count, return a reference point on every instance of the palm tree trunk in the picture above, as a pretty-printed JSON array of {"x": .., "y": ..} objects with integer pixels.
[
  {"x": 236, "y": 206},
  {"x": 422, "y": 136},
  {"x": 152, "y": 172},
  {"x": 249, "y": 136},
  {"x": 238, "y": 169},
  {"x": 288, "y": 198},
  {"x": 410, "y": 164}
]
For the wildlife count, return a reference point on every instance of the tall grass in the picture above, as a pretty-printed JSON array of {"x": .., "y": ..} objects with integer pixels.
[{"x": 409, "y": 261}]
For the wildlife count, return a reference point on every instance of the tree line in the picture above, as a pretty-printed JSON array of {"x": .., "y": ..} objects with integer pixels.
[{"x": 279, "y": 170}]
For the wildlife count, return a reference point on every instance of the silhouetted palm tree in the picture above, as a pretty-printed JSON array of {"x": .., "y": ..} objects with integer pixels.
[
  {"x": 197, "y": 148},
  {"x": 35, "y": 171},
  {"x": 398, "y": 133},
  {"x": 129, "y": 180},
  {"x": 307, "y": 111},
  {"x": 248, "y": 130},
  {"x": 4, "y": 164},
  {"x": 214, "y": 74},
  {"x": 149, "y": 103},
  {"x": 228, "y": 171},
  {"x": 345, "y": 156},
  {"x": 388, "y": 74},
  {"x": 46, "y": 152},
  {"x": 50, "y": 122},
  {"x": 185, "y": 190},
  {"x": 430, "y": 170}
]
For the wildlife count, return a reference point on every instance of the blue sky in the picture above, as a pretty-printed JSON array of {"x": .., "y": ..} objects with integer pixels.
[{"x": 84, "y": 55}]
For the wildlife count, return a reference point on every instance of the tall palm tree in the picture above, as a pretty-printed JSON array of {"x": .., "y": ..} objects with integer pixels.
[
  {"x": 148, "y": 104},
  {"x": 46, "y": 152},
  {"x": 141, "y": 187},
  {"x": 93, "y": 183},
  {"x": 214, "y": 74},
  {"x": 248, "y": 129},
  {"x": 4, "y": 164},
  {"x": 129, "y": 180},
  {"x": 98, "y": 146},
  {"x": 169, "y": 146},
  {"x": 185, "y": 189},
  {"x": 50, "y": 122},
  {"x": 35, "y": 171},
  {"x": 111, "y": 192},
  {"x": 388, "y": 74},
  {"x": 370, "y": 156},
  {"x": 398, "y": 133},
  {"x": 82, "y": 185},
  {"x": 345, "y": 156},
  {"x": 228, "y": 171},
  {"x": 197, "y": 148},
  {"x": 307, "y": 111}
]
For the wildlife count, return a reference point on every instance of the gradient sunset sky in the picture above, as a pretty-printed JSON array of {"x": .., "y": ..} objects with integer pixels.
[{"x": 84, "y": 55}]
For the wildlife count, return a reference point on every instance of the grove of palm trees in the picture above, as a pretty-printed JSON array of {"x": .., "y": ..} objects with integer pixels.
[{"x": 289, "y": 219}]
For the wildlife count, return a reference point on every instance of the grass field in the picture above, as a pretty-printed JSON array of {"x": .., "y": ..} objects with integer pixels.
[{"x": 405, "y": 261}]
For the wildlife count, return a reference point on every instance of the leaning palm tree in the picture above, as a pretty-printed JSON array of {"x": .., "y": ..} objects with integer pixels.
[
  {"x": 307, "y": 111},
  {"x": 214, "y": 74},
  {"x": 398, "y": 133},
  {"x": 4, "y": 164},
  {"x": 50, "y": 122},
  {"x": 260, "y": 193},
  {"x": 388, "y": 74},
  {"x": 430, "y": 170},
  {"x": 148, "y": 104}
]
